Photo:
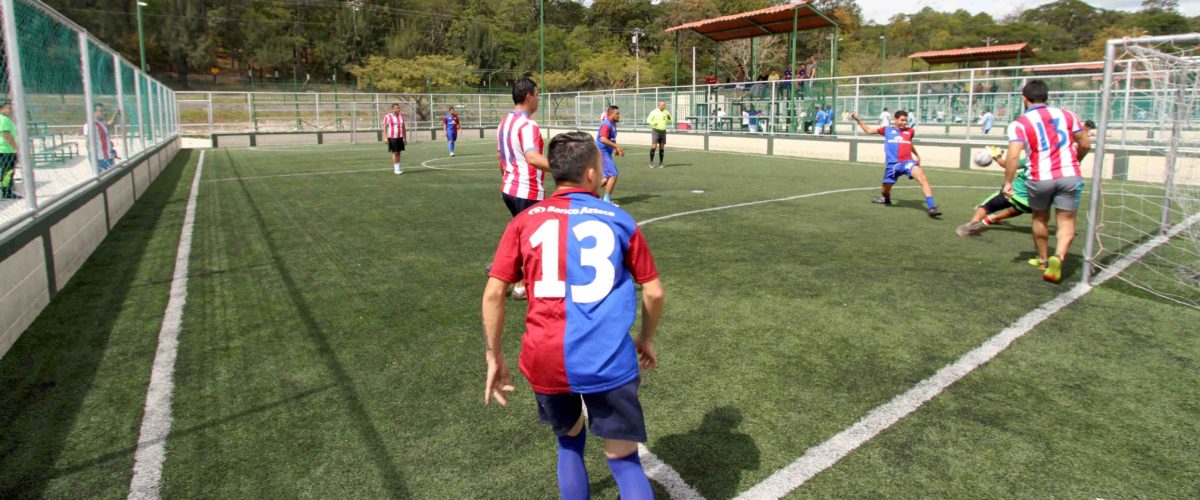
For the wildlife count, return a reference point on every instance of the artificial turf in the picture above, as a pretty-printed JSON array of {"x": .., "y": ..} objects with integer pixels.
[{"x": 331, "y": 343}]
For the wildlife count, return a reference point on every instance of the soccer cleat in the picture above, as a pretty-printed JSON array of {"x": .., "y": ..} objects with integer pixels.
[
  {"x": 1037, "y": 263},
  {"x": 970, "y": 229},
  {"x": 452, "y": 154},
  {"x": 615, "y": 204},
  {"x": 660, "y": 165},
  {"x": 882, "y": 201},
  {"x": 651, "y": 164},
  {"x": 1053, "y": 272},
  {"x": 935, "y": 213}
]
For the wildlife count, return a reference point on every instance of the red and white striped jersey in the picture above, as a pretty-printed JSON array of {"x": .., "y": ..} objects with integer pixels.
[
  {"x": 103, "y": 143},
  {"x": 393, "y": 125},
  {"x": 1049, "y": 138},
  {"x": 517, "y": 135}
]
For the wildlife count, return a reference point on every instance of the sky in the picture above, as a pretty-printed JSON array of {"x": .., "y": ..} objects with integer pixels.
[{"x": 880, "y": 11}]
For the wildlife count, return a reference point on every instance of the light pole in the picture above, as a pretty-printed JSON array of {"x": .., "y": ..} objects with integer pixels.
[
  {"x": 883, "y": 59},
  {"x": 988, "y": 42},
  {"x": 638, "y": 33},
  {"x": 141, "y": 37}
]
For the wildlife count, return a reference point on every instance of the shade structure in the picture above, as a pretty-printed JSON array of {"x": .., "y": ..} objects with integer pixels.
[
  {"x": 975, "y": 54},
  {"x": 1065, "y": 69},
  {"x": 777, "y": 20}
]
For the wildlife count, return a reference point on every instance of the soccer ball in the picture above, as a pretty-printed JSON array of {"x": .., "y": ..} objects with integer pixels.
[{"x": 983, "y": 158}]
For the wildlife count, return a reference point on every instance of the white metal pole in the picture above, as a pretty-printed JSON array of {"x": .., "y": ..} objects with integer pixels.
[
  {"x": 1173, "y": 148},
  {"x": 210, "y": 114},
  {"x": 1128, "y": 98},
  {"x": 16, "y": 84},
  {"x": 970, "y": 104},
  {"x": 693, "y": 69},
  {"x": 479, "y": 97},
  {"x": 317, "y": 104},
  {"x": 354, "y": 119},
  {"x": 1089, "y": 247},
  {"x": 141, "y": 115},
  {"x": 857, "y": 92},
  {"x": 121, "y": 105},
  {"x": 90, "y": 126}
]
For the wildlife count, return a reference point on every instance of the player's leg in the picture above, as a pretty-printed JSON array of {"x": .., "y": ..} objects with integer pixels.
[
  {"x": 1066, "y": 205},
  {"x": 918, "y": 173},
  {"x": 1041, "y": 234},
  {"x": 662, "y": 146},
  {"x": 616, "y": 416},
  {"x": 564, "y": 414}
]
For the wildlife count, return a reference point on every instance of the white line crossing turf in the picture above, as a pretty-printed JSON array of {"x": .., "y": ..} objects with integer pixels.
[
  {"x": 156, "y": 419},
  {"x": 825, "y": 455}
]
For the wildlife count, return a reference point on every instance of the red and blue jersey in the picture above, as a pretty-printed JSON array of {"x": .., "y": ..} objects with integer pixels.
[
  {"x": 897, "y": 143},
  {"x": 1049, "y": 138},
  {"x": 451, "y": 122},
  {"x": 608, "y": 130},
  {"x": 579, "y": 258}
]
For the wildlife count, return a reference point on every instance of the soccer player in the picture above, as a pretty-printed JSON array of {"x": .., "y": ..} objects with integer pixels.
[
  {"x": 1050, "y": 136},
  {"x": 985, "y": 121},
  {"x": 519, "y": 151},
  {"x": 997, "y": 207},
  {"x": 606, "y": 141},
  {"x": 106, "y": 154},
  {"x": 819, "y": 121},
  {"x": 658, "y": 120},
  {"x": 580, "y": 258},
  {"x": 885, "y": 118},
  {"x": 394, "y": 132},
  {"x": 902, "y": 159},
  {"x": 450, "y": 121},
  {"x": 8, "y": 150}
]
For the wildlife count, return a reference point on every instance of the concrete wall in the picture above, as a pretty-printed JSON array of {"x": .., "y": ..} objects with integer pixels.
[{"x": 39, "y": 257}]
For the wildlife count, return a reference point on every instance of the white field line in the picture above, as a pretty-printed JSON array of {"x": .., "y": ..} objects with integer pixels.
[
  {"x": 156, "y": 419},
  {"x": 663, "y": 474},
  {"x": 823, "y": 456},
  {"x": 305, "y": 174},
  {"x": 361, "y": 146}
]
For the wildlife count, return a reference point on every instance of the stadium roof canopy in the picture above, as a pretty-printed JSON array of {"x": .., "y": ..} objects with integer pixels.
[
  {"x": 993, "y": 53},
  {"x": 777, "y": 20},
  {"x": 1065, "y": 69}
]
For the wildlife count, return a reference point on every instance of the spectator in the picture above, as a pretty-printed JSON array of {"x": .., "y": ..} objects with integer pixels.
[
  {"x": 745, "y": 119},
  {"x": 8, "y": 150},
  {"x": 885, "y": 118}
]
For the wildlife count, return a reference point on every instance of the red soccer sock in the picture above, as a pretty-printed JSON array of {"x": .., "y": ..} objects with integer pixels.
[{"x": 987, "y": 221}]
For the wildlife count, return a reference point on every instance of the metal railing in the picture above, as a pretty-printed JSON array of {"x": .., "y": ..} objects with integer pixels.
[{"x": 65, "y": 87}]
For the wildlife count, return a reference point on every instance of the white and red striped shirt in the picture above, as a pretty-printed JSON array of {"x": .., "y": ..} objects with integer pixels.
[
  {"x": 1049, "y": 137},
  {"x": 103, "y": 144},
  {"x": 517, "y": 135},
  {"x": 393, "y": 125}
]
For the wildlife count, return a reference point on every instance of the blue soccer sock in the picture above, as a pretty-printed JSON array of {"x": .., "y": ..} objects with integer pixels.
[
  {"x": 929, "y": 201},
  {"x": 607, "y": 197},
  {"x": 572, "y": 474},
  {"x": 631, "y": 479},
  {"x": 451, "y": 146}
]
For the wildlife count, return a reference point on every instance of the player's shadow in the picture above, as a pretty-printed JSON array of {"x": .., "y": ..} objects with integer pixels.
[
  {"x": 713, "y": 457},
  {"x": 674, "y": 165},
  {"x": 917, "y": 204},
  {"x": 637, "y": 198}
]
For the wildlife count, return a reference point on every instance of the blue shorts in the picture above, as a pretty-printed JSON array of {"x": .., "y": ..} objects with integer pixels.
[
  {"x": 451, "y": 135},
  {"x": 608, "y": 165},
  {"x": 615, "y": 414},
  {"x": 105, "y": 164},
  {"x": 895, "y": 170}
]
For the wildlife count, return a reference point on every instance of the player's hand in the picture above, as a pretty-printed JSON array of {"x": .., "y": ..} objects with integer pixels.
[
  {"x": 620, "y": 152},
  {"x": 1008, "y": 190},
  {"x": 499, "y": 381},
  {"x": 647, "y": 358},
  {"x": 853, "y": 116}
]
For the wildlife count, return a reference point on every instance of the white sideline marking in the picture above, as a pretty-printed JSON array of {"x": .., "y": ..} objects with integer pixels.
[
  {"x": 303, "y": 174},
  {"x": 156, "y": 419},
  {"x": 663, "y": 474},
  {"x": 823, "y": 456}
]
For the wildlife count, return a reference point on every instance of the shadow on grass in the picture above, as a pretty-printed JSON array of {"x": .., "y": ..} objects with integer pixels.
[
  {"x": 1072, "y": 267},
  {"x": 361, "y": 420},
  {"x": 637, "y": 198},
  {"x": 713, "y": 457},
  {"x": 50, "y": 372}
]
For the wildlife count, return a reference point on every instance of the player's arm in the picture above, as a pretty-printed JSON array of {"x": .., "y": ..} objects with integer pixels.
[
  {"x": 499, "y": 379},
  {"x": 860, "y": 123},
  {"x": 1084, "y": 142},
  {"x": 11, "y": 142},
  {"x": 536, "y": 160},
  {"x": 916, "y": 157},
  {"x": 653, "y": 298},
  {"x": 1010, "y": 168},
  {"x": 617, "y": 149}
]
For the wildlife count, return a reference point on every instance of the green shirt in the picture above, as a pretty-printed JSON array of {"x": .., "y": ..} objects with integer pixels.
[
  {"x": 659, "y": 119},
  {"x": 6, "y": 125},
  {"x": 1020, "y": 190}
]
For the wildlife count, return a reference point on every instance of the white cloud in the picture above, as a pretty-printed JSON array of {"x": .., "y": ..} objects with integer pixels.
[{"x": 880, "y": 11}]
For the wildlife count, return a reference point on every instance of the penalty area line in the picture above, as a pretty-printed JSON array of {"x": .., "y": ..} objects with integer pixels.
[
  {"x": 825, "y": 455},
  {"x": 156, "y": 419}
]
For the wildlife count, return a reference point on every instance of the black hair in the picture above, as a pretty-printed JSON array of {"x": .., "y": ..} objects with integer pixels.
[
  {"x": 899, "y": 113},
  {"x": 523, "y": 88},
  {"x": 570, "y": 155},
  {"x": 1089, "y": 124},
  {"x": 1036, "y": 91},
  {"x": 611, "y": 108},
  {"x": 395, "y": 104}
]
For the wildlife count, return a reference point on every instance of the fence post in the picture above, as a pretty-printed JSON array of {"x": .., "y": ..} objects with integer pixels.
[
  {"x": 90, "y": 126},
  {"x": 378, "y": 119},
  {"x": 121, "y": 104},
  {"x": 353, "y": 119},
  {"x": 210, "y": 114},
  {"x": 317, "y": 105},
  {"x": 17, "y": 89},
  {"x": 250, "y": 111},
  {"x": 480, "y": 98},
  {"x": 970, "y": 104},
  {"x": 857, "y": 92},
  {"x": 918, "y": 108},
  {"x": 141, "y": 116}
]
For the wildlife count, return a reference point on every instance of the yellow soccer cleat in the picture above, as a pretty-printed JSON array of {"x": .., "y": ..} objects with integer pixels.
[
  {"x": 1053, "y": 272},
  {"x": 1037, "y": 263}
]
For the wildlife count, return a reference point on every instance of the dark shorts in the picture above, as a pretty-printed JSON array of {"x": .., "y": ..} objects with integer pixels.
[
  {"x": 615, "y": 414},
  {"x": 997, "y": 202},
  {"x": 658, "y": 136},
  {"x": 517, "y": 205},
  {"x": 395, "y": 145}
]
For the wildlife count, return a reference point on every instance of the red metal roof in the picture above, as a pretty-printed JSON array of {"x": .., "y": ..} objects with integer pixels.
[
  {"x": 993, "y": 53},
  {"x": 1066, "y": 68},
  {"x": 775, "y": 20}
]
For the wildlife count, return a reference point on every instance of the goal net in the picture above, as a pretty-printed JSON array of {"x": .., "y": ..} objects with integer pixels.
[{"x": 1144, "y": 222}]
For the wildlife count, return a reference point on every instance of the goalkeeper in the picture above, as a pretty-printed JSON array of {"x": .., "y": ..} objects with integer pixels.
[{"x": 996, "y": 207}]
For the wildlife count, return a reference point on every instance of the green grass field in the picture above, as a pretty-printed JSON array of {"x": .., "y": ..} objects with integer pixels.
[{"x": 332, "y": 346}]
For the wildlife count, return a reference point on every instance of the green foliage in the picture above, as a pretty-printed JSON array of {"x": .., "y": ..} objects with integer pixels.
[{"x": 419, "y": 74}]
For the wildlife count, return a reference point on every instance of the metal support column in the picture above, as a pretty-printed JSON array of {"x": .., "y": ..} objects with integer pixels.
[
  {"x": 141, "y": 115},
  {"x": 88, "y": 104},
  {"x": 1089, "y": 247},
  {"x": 12, "y": 52},
  {"x": 121, "y": 104}
]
